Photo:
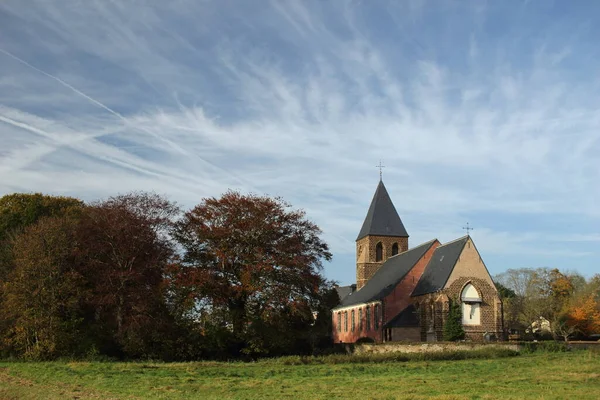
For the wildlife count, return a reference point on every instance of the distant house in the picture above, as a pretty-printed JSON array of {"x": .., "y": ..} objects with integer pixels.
[
  {"x": 403, "y": 294},
  {"x": 539, "y": 326}
]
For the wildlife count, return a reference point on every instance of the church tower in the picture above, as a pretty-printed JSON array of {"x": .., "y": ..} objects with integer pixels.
[{"x": 382, "y": 235}]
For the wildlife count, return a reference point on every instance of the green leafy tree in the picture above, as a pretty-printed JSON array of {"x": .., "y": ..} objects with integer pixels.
[
  {"x": 504, "y": 292},
  {"x": 453, "y": 329},
  {"x": 510, "y": 313}
]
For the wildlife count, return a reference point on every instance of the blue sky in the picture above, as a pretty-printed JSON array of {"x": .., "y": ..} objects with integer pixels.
[{"x": 486, "y": 112}]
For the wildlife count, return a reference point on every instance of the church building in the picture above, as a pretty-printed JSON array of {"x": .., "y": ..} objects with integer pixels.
[{"x": 404, "y": 294}]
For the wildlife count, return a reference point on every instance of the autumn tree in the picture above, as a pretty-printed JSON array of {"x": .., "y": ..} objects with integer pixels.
[
  {"x": 584, "y": 315},
  {"x": 590, "y": 289},
  {"x": 17, "y": 212},
  {"x": 539, "y": 293},
  {"x": 20, "y": 210},
  {"x": 253, "y": 265},
  {"x": 558, "y": 290},
  {"x": 581, "y": 314},
  {"x": 44, "y": 294},
  {"x": 568, "y": 301},
  {"x": 125, "y": 250}
]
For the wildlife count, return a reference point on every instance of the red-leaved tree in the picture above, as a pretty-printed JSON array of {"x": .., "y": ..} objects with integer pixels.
[
  {"x": 124, "y": 251},
  {"x": 253, "y": 267}
]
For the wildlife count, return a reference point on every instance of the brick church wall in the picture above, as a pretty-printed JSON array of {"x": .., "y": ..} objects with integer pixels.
[
  {"x": 390, "y": 306},
  {"x": 490, "y": 307},
  {"x": 400, "y": 298},
  {"x": 366, "y": 266},
  {"x": 471, "y": 268},
  {"x": 433, "y": 307},
  {"x": 470, "y": 264},
  {"x": 409, "y": 334},
  {"x": 360, "y": 330}
]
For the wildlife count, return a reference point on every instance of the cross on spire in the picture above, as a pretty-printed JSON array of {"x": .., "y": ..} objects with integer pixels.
[
  {"x": 467, "y": 228},
  {"x": 380, "y": 166}
]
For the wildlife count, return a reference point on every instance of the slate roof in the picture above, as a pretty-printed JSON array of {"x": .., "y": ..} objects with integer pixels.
[
  {"x": 382, "y": 218},
  {"x": 344, "y": 291},
  {"x": 440, "y": 267},
  {"x": 388, "y": 276},
  {"x": 405, "y": 318}
]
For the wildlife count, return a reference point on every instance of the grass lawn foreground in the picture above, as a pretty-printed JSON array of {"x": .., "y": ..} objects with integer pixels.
[{"x": 567, "y": 375}]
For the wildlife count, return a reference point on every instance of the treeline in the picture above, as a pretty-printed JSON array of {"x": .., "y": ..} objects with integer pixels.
[
  {"x": 134, "y": 276},
  {"x": 544, "y": 303}
]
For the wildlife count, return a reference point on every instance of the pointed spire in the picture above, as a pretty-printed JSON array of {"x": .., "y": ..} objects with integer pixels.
[{"x": 382, "y": 218}]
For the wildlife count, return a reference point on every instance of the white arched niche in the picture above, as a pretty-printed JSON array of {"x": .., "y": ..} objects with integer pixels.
[{"x": 471, "y": 302}]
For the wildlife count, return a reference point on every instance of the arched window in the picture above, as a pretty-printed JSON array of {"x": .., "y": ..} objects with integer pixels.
[
  {"x": 353, "y": 321},
  {"x": 368, "y": 318},
  {"x": 345, "y": 321},
  {"x": 339, "y": 321},
  {"x": 379, "y": 252},
  {"x": 395, "y": 249},
  {"x": 360, "y": 323},
  {"x": 471, "y": 303},
  {"x": 376, "y": 316}
]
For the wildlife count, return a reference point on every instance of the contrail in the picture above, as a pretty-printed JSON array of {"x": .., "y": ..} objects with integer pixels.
[
  {"x": 96, "y": 102},
  {"x": 174, "y": 178},
  {"x": 73, "y": 144},
  {"x": 79, "y": 92},
  {"x": 117, "y": 114},
  {"x": 27, "y": 127}
]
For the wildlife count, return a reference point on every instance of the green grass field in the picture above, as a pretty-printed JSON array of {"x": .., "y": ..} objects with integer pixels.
[{"x": 568, "y": 375}]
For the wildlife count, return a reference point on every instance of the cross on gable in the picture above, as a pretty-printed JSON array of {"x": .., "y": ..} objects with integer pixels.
[
  {"x": 380, "y": 166},
  {"x": 467, "y": 228}
]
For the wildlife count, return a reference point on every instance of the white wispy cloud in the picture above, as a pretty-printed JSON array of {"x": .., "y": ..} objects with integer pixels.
[{"x": 301, "y": 99}]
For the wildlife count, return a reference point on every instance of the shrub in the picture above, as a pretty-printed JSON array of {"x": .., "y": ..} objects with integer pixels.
[
  {"x": 545, "y": 347},
  {"x": 453, "y": 329}
]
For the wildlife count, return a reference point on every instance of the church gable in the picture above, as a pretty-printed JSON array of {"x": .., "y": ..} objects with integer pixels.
[
  {"x": 469, "y": 265},
  {"x": 457, "y": 273},
  {"x": 440, "y": 267}
]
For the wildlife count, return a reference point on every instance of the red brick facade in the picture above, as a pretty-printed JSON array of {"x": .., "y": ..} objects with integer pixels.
[
  {"x": 363, "y": 328},
  {"x": 387, "y": 308},
  {"x": 432, "y": 308},
  {"x": 400, "y": 298},
  {"x": 366, "y": 255},
  {"x": 426, "y": 320}
]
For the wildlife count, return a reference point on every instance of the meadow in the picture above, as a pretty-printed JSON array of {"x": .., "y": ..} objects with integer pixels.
[{"x": 506, "y": 375}]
